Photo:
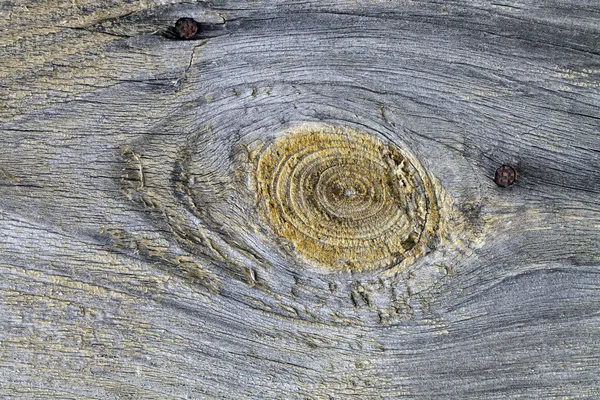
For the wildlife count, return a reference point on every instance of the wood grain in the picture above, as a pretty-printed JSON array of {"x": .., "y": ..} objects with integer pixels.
[{"x": 135, "y": 263}]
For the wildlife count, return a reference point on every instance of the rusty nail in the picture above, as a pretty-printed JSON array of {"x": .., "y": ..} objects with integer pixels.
[
  {"x": 505, "y": 176},
  {"x": 186, "y": 28}
]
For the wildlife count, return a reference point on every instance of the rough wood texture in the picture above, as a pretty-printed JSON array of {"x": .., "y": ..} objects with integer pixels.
[{"x": 135, "y": 264}]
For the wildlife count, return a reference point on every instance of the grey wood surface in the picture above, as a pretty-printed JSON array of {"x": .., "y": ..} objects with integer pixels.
[{"x": 135, "y": 265}]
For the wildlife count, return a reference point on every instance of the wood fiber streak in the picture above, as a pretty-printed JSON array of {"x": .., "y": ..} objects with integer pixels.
[{"x": 135, "y": 262}]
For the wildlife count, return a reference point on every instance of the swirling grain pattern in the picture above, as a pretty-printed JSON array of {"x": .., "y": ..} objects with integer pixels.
[{"x": 299, "y": 203}]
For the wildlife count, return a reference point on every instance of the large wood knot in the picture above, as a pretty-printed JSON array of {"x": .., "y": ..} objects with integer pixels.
[{"x": 344, "y": 199}]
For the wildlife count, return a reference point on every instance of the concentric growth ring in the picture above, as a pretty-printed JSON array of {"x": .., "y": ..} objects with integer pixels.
[{"x": 344, "y": 199}]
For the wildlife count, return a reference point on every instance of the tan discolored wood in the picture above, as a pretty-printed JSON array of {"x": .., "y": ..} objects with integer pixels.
[
  {"x": 345, "y": 200},
  {"x": 139, "y": 259}
]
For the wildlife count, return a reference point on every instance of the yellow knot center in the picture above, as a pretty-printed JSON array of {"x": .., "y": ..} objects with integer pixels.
[{"x": 344, "y": 199}]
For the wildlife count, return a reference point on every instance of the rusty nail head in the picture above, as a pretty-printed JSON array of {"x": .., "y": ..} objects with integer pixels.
[
  {"x": 186, "y": 28},
  {"x": 505, "y": 176}
]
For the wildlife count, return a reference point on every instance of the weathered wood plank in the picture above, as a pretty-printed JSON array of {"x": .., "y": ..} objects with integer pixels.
[{"x": 136, "y": 264}]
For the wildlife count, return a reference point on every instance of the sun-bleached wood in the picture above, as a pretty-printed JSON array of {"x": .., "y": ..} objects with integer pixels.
[{"x": 134, "y": 259}]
